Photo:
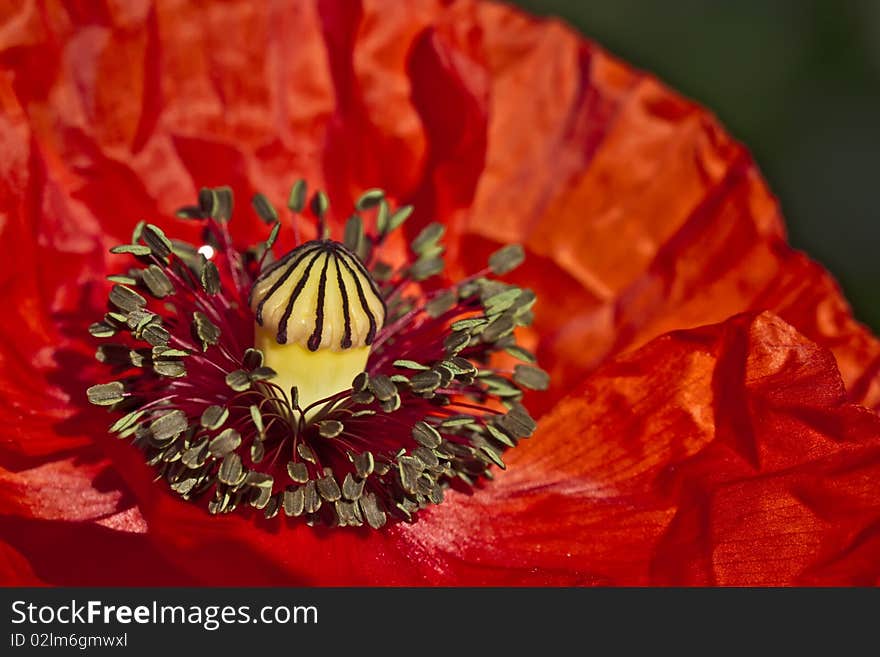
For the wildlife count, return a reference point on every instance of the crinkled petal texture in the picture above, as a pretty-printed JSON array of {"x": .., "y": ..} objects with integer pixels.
[{"x": 681, "y": 441}]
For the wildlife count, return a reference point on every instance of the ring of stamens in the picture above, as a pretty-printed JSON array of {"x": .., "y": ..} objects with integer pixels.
[{"x": 431, "y": 407}]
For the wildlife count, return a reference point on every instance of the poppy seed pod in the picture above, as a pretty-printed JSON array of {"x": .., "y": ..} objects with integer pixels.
[{"x": 317, "y": 311}]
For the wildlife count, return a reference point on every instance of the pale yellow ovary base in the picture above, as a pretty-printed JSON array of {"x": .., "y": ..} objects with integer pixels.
[{"x": 316, "y": 374}]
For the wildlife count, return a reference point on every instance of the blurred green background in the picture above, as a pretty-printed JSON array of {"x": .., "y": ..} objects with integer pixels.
[{"x": 798, "y": 82}]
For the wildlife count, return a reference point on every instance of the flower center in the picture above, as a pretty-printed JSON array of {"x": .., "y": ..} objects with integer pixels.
[{"x": 327, "y": 384}]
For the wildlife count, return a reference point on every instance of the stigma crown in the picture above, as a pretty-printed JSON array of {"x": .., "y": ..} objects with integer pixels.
[{"x": 319, "y": 296}]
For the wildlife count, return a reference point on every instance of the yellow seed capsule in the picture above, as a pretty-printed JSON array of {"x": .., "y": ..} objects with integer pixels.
[{"x": 317, "y": 312}]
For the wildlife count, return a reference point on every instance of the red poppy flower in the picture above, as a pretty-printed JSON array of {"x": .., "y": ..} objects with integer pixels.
[{"x": 711, "y": 417}]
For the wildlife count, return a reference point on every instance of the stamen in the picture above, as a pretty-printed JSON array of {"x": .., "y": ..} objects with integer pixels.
[{"x": 327, "y": 384}]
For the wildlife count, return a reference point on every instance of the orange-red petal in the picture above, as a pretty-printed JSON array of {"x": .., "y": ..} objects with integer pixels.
[
  {"x": 724, "y": 455},
  {"x": 639, "y": 213}
]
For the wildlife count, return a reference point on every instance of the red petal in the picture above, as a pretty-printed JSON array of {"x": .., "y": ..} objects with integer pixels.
[
  {"x": 640, "y": 214},
  {"x": 105, "y": 553},
  {"x": 74, "y": 520},
  {"x": 15, "y": 569},
  {"x": 721, "y": 455}
]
